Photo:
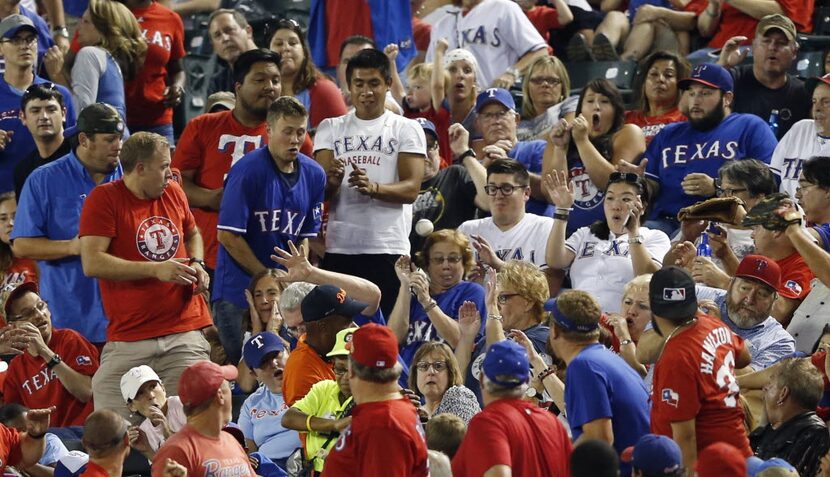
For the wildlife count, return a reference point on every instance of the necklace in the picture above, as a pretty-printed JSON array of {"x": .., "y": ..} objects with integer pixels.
[{"x": 671, "y": 335}]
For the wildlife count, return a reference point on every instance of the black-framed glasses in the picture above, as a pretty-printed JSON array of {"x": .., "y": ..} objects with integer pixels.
[
  {"x": 21, "y": 40},
  {"x": 506, "y": 189},
  {"x": 540, "y": 80},
  {"x": 453, "y": 259},
  {"x": 495, "y": 116},
  {"x": 40, "y": 307},
  {"x": 628, "y": 177},
  {"x": 438, "y": 366},
  {"x": 721, "y": 191},
  {"x": 504, "y": 297}
]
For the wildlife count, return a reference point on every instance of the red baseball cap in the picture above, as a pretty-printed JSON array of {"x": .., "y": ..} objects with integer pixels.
[
  {"x": 374, "y": 346},
  {"x": 200, "y": 381},
  {"x": 720, "y": 460},
  {"x": 13, "y": 292},
  {"x": 760, "y": 268}
]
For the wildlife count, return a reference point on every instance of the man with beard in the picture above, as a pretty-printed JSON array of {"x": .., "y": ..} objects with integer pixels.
[
  {"x": 684, "y": 158},
  {"x": 139, "y": 238},
  {"x": 274, "y": 196},
  {"x": 766, "y": 85},
  {"x": 212, "y": 143},
  {"x": 230, "y": 35},
  {"x": 43, "y": 112},
  {"x": 746, "y": 305},
  {"x": 48, "y": 214}
]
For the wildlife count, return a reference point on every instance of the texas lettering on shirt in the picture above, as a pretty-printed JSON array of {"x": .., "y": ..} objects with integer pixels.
[
  {"x": 684, "y": 153},
  {"x": 156, "y": 37},
  {"x": 39, "y": 381},
  {"x": 359, "y": 143}
]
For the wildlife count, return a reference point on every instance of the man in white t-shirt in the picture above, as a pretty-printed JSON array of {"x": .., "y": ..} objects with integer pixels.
[
  {"x": 383, "y": 155},
  {"x": 807, "y": 138},
  {"x": 510, "y": 233},
  {"x": 497, "y": 33}
]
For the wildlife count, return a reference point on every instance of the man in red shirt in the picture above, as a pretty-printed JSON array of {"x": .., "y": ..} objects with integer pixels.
[
  {"x": 139, "y": 238},
  {"x": 201, "y": 446},
  {"x": 695, "y": 399},
  {"x": 212, "y": 143},
  {"x": 55, "y": 367},
  {"x": 107, "y": 440},
  {"x": 385, "y": 437},
  {"x": 326, "y": 310},
  {"x": 511, "y": 434}
]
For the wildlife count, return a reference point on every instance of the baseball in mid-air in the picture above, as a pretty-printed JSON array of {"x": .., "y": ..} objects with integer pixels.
[{"x": 424, "y": 227}]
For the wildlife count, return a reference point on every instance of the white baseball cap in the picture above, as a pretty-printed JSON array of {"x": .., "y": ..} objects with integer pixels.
[{"x": 133, "y": 379}]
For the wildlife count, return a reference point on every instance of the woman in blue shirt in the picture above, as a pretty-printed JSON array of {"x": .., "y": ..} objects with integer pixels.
[{"x": 261, "y": 415}]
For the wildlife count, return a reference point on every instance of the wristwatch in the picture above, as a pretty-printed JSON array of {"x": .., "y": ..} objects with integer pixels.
[
  {"x": 197, "y": 260},
  {"x": 635, "y": 239},
  {"x": 465, "y": 155},
  {"x": 625, "y": 342},
  {"x": 56, "y": 360},
  {"x": 60, "y": 31},
  {"x": 513, "y": 72}
]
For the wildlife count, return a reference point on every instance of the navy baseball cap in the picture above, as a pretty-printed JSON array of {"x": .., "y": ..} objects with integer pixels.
[
  {"x": 260, "y": 346},
  {"x": 506, "y": 364},
  {"x": 13, "y": 24},
  {"x": 565, "y": 322},
  {"x": 755, "y": 467},
  {"x": 654, "y": 455},
  {"x": 671, "y": 293},
  {"x": 97, "y": 118},
  {"x": 710, "y": 75},
  {"x": 428, "y": 126},
  {"x": 495, "y": 95},
  {"x": 326, "y": 300}
]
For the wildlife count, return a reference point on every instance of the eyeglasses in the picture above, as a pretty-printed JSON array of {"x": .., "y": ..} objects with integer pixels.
[
  {"x": 453, "y": 259},
  {"x": 804, "y": 185},
  {"x": 489, "y": 117},
  {"x": 721, "y": 191},
  {"x": 506, "y": 189},
  {"x": 540, "y": 80},
  {"x": 502, "y": 298},
  {"x": 340, "y": 371},
  {"x": 27, "y": 315},
  {"x": 21, "y": 41},
  {"x": 628, "y": 177},
  {"x": 438, "y": 366}
]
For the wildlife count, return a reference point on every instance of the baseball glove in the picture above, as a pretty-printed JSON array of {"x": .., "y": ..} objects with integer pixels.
[{"x": 728, "y": 210}]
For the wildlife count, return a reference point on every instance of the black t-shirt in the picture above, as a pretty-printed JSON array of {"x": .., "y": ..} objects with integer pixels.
[
  {"x": 448, "y": 199},
  {"x": 25, "y": 167},
  {"x": 792, "y": 101}
]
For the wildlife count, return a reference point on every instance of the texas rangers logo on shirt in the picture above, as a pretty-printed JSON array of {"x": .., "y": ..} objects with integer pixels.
[
  {"x": 793, "y": 286},
  {"x": 586, "y": 193},
  {"x": 669, "y": 397},
  {"x": 158, "y": 239}
]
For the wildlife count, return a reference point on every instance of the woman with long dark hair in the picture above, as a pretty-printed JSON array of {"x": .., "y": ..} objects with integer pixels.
[{"x": 657, "y": 93}]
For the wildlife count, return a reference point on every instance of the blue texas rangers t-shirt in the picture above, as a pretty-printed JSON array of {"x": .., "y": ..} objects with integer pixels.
[
  {"x": 679, "y": 150},
  {"x": 530, "y": 154},
  {"x": 21, "y": 144},
  {"x": 267, "y": 208},
  {"x": 615, "y": 391},
  {"x": 421, "y": 329}
]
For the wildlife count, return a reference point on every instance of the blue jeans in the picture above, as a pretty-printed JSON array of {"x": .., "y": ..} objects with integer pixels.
[
  {"x": 165, "y": 130},
  {"x": 228, "y": 320}
]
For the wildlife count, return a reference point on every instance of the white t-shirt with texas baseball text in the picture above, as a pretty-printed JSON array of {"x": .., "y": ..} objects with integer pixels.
[
  {"x": 496, "y": 32},
  {"x": 359, "y": 224},
  {"x": 799, "y": 144},
  {"x": 525, "y": 241}
]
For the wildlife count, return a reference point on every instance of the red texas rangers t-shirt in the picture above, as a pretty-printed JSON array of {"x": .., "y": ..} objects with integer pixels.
[
  {"x": 694, "y": 379},
  {"x": 144, "y": 231}
]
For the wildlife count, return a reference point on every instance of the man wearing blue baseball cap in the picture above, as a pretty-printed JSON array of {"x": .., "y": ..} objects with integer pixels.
[
  {"x": 261, "y": 415},
  {"x": 618, "y": 410},
  {"x": 448, "y": 196},
  {"x": 684, "y": 158},
  {"x": 511, "y": 434},
  {"x": 654, "y": 456}
]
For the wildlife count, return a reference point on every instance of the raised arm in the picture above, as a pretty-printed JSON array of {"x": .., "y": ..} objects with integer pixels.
[
  {"x": 459, "y": 140},
  {"x": 399, "y": 318},
  {"x": 560, "y": 191},
  {"x": 398, "y": 91},
  {"x": 437, "y": 82}
]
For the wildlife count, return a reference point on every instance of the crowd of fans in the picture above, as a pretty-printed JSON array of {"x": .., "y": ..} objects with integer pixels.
[{"x": 402, "y": 241}]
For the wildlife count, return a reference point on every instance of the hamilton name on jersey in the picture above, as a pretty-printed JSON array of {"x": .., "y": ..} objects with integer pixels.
[{"x": 685, "y": 153}]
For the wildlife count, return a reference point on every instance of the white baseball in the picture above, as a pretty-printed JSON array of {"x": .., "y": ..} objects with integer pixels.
[{"x": 424, "y": 227}]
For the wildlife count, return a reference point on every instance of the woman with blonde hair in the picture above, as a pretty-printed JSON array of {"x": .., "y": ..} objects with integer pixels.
[
  {"x": 628, "y": 325},
  {"x": 516, "y": 299},
  {"x": 437, "y": 379},
  {"x": 546, "y": 91},
  {"x": 428, "y": 300},
  {"x": 113, "y": 49}
]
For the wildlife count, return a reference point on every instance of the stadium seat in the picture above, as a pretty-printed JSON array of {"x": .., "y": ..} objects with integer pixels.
[
  {"x": 621, "y": 73},
  {"x": 199, "y": 70},
  {"x": 821, "y": 21},
  {"x": 808, "y": 64}
]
